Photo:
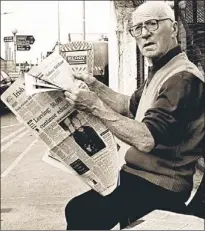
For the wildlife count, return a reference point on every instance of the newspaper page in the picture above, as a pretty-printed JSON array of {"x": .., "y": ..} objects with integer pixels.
[
  {"x": 90, "y": 150},
  {"x": 54, "y": 70},
  {"x": 78, "y": 139},
  {"x": 35, "y": 86},
  {"x": 53, "y": 159}
]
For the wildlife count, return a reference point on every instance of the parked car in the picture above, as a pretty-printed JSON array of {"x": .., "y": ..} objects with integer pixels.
[{"x": 5, "y": 83}]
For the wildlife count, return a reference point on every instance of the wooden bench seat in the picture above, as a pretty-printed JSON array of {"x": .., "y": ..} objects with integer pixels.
[{"x": 164, "y": 220}]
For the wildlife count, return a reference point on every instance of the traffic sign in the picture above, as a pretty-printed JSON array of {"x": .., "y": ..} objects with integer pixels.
[
  {"x": 8, "y": 39},
  {"x": 25, "y": 39},
  {"x": 23, "y": 47}
]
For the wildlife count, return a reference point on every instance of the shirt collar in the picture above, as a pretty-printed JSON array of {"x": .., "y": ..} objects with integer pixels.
[{"x": 166, "y": 58}]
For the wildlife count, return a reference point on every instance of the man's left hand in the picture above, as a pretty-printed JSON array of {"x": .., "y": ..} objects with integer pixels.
[{"x": 82, "y": 99}]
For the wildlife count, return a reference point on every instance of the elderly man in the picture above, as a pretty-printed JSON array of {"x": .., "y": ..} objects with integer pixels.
[{"x": 163, "y": 122}]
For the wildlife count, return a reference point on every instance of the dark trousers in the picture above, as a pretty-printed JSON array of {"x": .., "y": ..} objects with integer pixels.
[{"x": 134, "y": 198}]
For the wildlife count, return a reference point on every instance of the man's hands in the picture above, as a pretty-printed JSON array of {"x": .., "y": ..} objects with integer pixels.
[
  {"x": 86, "y": 77},
  {"x": 82, "y": 99}
]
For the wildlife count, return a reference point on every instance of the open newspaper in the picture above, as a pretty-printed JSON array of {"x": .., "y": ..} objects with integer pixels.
[{"x": 78, "y": 140}]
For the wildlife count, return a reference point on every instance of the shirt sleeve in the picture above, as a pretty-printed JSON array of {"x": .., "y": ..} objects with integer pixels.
[
  {"x": 135, "y": 99},
  {"x": 179, "y": 101}
]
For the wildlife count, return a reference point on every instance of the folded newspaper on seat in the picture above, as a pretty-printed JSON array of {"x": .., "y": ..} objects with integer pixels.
[{"x": 78, "y": 140}]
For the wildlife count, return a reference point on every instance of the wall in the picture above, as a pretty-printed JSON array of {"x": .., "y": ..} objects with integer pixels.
[
  {"x": 113, "y": 52},
  {"x": 122, "y": 50},
  {"x": 122, "y": 57}
]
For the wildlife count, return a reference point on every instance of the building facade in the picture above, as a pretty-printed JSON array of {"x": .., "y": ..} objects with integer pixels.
[{"x": 7, "y": 65}]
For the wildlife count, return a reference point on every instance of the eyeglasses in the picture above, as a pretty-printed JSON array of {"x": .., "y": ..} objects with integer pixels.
[{"x": 150, "y": 25}]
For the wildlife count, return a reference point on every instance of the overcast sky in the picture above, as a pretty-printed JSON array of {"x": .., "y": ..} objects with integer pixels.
[{"x": 40, "y": 19}]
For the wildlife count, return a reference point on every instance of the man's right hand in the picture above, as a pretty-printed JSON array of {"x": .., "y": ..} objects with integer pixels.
[{"x": 86, "y": 77}]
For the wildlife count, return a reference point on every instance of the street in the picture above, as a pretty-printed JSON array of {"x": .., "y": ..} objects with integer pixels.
[{"x": 33, "y": 193}]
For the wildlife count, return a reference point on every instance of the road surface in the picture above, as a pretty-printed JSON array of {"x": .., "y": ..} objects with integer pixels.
[{"x": 33, "y": 193}]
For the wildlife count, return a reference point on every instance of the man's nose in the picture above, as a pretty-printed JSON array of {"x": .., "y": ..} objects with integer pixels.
[{"x": 145, "y": 32}]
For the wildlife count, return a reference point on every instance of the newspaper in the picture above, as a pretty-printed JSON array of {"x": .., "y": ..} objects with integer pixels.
[
  {"x": 35, "y": 86},
  {"x": 79, "y": 140}
]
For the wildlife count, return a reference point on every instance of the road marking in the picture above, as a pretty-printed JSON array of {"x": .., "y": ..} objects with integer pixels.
[
  {"x": 4, "y": 147},
  {"x": 18, "y": 159},
  {"x": 6, "y": 126},
  {"x": 12, "y": 134}
]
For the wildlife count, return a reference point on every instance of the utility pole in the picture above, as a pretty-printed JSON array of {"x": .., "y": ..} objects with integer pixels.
[
  {"x": 14, "y": 34},
  {"x": 6, "y": 13},
  {"x": 84, "y": 36},
  {"x": 59, "y": 50},
  {"x": 69, "y": 37}
]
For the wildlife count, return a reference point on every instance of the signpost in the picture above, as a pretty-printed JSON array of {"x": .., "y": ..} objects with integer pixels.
[
  {"x": 23, "y": 42},
  {"x": 23, "y": 47},
  {"x": 8, "y": 39},
  {"x": 25, "y": 39}
]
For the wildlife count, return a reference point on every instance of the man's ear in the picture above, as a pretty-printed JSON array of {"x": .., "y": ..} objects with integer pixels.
[{"x": 175, "y": 29}]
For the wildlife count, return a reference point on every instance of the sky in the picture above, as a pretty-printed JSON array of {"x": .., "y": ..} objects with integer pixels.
[{"x": 40, "y": 19}]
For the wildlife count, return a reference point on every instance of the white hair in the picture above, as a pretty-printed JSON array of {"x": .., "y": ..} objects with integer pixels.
[{"x": 155, "y": 9}]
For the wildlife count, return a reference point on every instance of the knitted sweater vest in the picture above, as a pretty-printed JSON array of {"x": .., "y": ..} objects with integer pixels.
[{"x": 173, "y": 167}]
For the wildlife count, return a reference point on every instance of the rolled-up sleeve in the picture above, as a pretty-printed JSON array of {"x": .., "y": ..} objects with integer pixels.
[{"x": 179, "y": 100}]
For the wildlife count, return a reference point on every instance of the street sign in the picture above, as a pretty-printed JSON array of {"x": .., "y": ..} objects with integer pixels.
[
  {"x": 25, "y": 39},
  {"x": 31, "y": 39},
  {"x": 23, "y": 47},
  {"x": 8, "y": 39},
  {"x": 76, "y": 59}
]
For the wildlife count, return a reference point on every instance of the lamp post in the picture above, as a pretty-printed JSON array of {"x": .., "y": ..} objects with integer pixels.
[
  {"x": 84, "y": 20},
  {"x": 14, "y": 31},
  {"x": 59, "y": 49}
]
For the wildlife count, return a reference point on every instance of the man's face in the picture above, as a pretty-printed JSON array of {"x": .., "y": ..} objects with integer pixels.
[{"x": 154, "y": 44}]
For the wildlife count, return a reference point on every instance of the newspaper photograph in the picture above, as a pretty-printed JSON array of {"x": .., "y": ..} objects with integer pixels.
[{"x": 79, "y": 140}]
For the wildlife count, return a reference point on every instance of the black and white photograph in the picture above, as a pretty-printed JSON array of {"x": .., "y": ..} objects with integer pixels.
[
  {"x": 85, "y": 136},
  {"x": 125, "y": 152},
  {"x": 88, "y": 139}
]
